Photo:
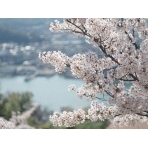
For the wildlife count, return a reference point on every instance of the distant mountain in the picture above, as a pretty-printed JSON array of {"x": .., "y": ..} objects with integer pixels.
[
  {"x": 7, "y": 35},
  {"x": 26, "y": 23},
  {"x": 22, "y": 23},
  {"x": 24, "y": 30}
]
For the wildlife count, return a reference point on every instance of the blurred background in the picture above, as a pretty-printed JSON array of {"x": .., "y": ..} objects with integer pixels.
[{"x": 25, "y": 80}]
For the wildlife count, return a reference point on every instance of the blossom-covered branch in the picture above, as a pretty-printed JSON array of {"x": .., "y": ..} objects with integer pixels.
[{"x": 124, "y": 43}]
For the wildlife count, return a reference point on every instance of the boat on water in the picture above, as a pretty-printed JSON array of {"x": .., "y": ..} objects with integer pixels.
[{"x": 29, "y": 78}]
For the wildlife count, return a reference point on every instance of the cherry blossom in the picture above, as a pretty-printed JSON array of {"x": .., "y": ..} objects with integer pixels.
[
  {"x": 124, "y": 45},
  {"x": 68, "y": 119}
]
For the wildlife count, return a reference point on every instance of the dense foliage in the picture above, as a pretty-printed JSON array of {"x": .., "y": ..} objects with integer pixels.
[
  {"x": 15, "y": 109},
  {"x": 16, "y": 102}
]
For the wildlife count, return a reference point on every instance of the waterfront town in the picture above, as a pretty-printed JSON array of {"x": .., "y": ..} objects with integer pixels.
[
  {"x": 21, "y": 41},
  {"x": 16, "y": 59}
]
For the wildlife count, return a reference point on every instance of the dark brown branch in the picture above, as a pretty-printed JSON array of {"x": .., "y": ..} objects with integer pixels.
[
  {"x": 95, "y": 97},
  {"x": 136, "y": 46},
  {"x": 73, "y": 31},
  {"x": 134, "y": 77},
  {"x": 84, "y": 32},
  {"x": 144, "y": 115},
  {"x": 125, "y": 79},
  {"x": 107, "y": 55},
  {"x": 140, "y": 114},
  {"x": 122, "y": 78},
  {"x": 109, "y": 94}
]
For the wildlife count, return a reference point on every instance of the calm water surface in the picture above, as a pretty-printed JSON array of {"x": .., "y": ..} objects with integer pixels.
[{"x": 49, "y": 92}]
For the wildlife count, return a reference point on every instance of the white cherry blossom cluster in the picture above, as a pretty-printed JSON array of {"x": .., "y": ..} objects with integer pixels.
[
  {"x": 129, "y": 120},
  {"x": 130, "y": 104},
  {"x": 17, "y": 121},
  {"x": 57, "y": 59},
  {"x": 124, "y": 44},
  {"x": 68, "y": 119},
  {"x": 4, "y": 124},
  {"x": 96, "y": 112},
  {"x": 101, "y": 112}
]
